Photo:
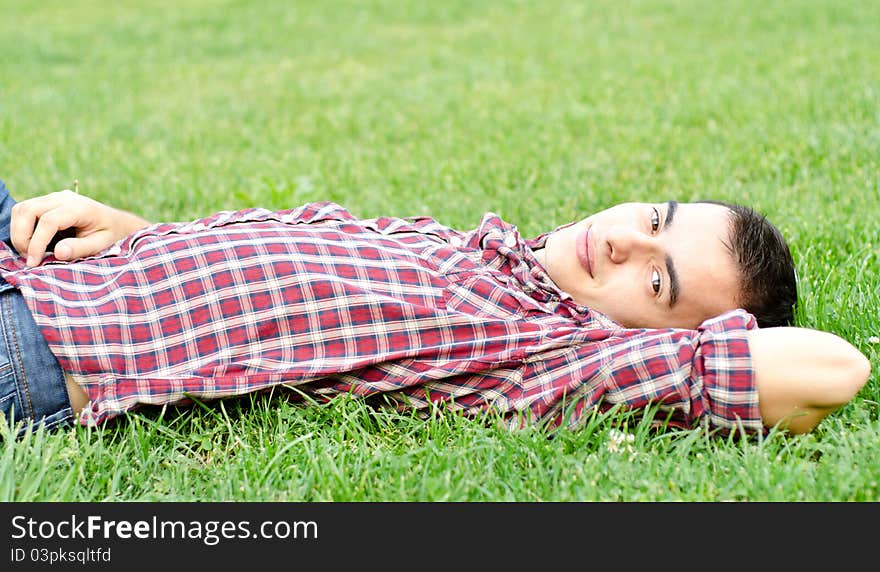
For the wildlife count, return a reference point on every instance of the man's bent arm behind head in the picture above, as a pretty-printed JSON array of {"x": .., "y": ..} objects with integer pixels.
[{"x": 802, "y": 375}]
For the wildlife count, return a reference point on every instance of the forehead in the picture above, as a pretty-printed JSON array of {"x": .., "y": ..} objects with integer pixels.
[{"x": 697, "y": 244}]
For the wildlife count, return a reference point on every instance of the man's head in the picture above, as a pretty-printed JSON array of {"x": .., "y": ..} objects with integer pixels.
[{"x": 674, "y": 265}]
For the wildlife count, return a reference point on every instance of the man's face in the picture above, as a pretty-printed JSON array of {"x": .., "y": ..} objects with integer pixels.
[{"x": 647, "y": 265}]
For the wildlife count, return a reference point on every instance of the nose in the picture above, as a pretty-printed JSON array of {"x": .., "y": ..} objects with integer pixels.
[{"x": 625, "y": 243}]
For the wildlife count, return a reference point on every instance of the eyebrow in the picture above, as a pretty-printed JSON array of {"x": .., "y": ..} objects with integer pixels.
[{"x": 674, "y": 284}]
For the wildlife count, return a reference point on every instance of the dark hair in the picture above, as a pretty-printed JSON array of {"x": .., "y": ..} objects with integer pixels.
[{"x": 768, "y": 288}]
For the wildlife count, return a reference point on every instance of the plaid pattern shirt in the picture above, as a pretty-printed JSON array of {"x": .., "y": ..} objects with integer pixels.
[{"x": 318, "y": 300}]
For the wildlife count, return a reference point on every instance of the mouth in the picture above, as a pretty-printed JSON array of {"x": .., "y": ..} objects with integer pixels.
[{"x": 582, "y": 248}]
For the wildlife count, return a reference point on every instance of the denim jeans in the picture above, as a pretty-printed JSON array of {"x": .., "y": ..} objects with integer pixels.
[{"x": 32, "y": 385}]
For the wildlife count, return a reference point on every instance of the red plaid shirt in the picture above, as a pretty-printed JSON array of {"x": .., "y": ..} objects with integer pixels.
[{"x": 316, "y": 299}]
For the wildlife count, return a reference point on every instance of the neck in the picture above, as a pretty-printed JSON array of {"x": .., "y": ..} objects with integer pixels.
[{"x": 541, "y": 255}]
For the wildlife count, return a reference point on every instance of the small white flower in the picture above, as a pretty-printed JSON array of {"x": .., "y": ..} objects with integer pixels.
[
  {"x": 616, "y": 440},
  {"x": 874, "y": 340}
]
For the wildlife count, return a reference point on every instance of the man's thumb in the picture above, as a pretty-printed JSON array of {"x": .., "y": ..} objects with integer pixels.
[
  {"x": 71, "y": 248},
  {"x": 63, "y": 250}
]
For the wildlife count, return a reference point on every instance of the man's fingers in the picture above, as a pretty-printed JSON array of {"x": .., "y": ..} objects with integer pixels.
[
  {"x": 21, "y": 227},
  {"x": 25, "y": 214},
  {"x": 47, "y": 226}
]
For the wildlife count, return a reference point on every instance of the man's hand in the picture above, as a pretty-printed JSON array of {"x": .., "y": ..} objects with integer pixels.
[{"x": 94, "y": 226}]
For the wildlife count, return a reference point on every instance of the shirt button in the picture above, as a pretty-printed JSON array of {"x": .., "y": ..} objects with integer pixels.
[
  {"x": 510, "y": 240},
  {"x": 198, "y": 227},
  {"x": 455, "y": 241},
  {"x": 114, "y": 250}
]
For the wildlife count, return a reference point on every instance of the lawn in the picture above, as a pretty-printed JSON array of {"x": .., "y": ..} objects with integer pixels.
[{"x": 542, "y": 112}]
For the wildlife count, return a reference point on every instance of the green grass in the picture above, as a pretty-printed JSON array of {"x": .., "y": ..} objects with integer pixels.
[{"x": 539, "y": 111}]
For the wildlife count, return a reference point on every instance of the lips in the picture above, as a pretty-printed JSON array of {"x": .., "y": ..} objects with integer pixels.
[{"x": 582, "y": 248}]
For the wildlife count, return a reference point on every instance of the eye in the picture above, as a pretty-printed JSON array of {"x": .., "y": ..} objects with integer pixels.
[
  {"x": 655, "y": 220},
  {"x": 656, "y": 284}
]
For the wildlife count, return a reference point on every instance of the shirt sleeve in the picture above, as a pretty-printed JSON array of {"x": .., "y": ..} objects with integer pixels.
[{"x": 703, "y": 376}]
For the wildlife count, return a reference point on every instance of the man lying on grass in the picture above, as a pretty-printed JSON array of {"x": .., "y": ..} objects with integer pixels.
[{"x": 683, "y": 306}]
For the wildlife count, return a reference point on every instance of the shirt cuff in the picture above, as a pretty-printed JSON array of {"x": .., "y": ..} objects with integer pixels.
[{"x": 729, "y": 393}]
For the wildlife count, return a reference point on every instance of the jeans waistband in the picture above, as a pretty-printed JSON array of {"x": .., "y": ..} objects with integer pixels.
[{"x": 32, "y": 384}]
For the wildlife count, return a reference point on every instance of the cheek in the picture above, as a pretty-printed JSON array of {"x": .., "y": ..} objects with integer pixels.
[
  {"x": 626, "y": 293},
  {"x": 629, "y": 282}
]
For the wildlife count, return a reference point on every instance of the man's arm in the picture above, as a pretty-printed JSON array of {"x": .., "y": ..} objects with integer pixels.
[
  {"x": 34, "y": 222},
  {"x": 730, "y": 373},
  {"x": 803, "y": 374}
]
